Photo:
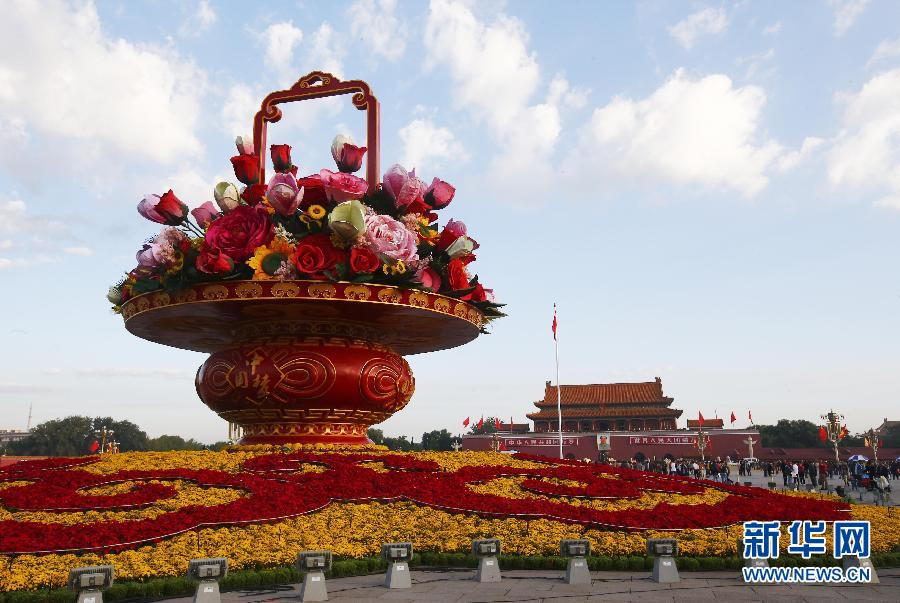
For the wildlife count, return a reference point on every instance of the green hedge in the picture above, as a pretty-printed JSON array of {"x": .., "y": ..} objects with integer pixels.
[{"x": 161, "y": 588}]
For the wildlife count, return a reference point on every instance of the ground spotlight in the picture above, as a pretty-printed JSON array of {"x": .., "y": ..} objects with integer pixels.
[
  {"x": 314, "y": 564},
  {"x": 577, "y": 569},
  {"x": 208, "y": 572},
  {"x": 397, "y": 554},
  {"x": 664, "y": 551},
  {"x": 89, "y": 582},
  {"x": 488, "y": 567}
]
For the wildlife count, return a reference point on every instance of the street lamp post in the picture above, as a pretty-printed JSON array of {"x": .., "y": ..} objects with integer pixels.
[
  {"x": 834, "y": 431},
  {"x": 872, "y": 435},
  {"x": 104, "y": 433},
  {"x": 702, "y": 442}
]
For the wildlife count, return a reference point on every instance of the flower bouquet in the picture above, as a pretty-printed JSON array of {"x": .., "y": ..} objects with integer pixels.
[{"x": 327, "y": 226}]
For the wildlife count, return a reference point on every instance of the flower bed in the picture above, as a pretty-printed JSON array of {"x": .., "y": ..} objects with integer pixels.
[{"x": 149, "y": 513}]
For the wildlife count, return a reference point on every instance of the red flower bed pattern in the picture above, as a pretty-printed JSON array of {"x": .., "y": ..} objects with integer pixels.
[{"x": 276, "y": 490}]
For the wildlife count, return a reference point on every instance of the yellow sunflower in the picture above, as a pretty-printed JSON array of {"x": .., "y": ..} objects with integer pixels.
[
  {"x": 316, "y": 212},
  {"x": 268, "y": 258}
]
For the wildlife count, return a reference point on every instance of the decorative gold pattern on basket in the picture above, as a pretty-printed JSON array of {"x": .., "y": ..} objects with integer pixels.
[
  {"x": 249, "y": 289},
  {"x": 359, "y": 292},
  {"x": 418, "y": 299},
  {"x": 390, "y": 295},
  {"x": 322, "y": 290},
  {"x": 161, "y": 299},
  {"x": 215, "y": 292},
  {"x": 442, "y": 305},
  {"x": 285, "y": 290}
]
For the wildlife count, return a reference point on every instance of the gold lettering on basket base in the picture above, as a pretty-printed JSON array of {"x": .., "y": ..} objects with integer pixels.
[
  {"x": 359, "y": 292},
  {"x": 390, "y": 295},
  {"x": 249, "y": 290},
  {"x": 418, "y": 299},
  {"x": 322, "y": 290},
  {"x": 285, "y": 290}
]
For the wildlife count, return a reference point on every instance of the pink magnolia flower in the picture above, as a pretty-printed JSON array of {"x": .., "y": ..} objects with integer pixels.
[
  {"x": 284, "y": 194},
  {"x": 205, "y": 214},
  {"x": 439, "y": 194},
  {"x": 244, "y": 145},
  {"x": 403, "y": 187},
  {"x": 340, "y": 187},
  {"x": 390, "y": 239}
]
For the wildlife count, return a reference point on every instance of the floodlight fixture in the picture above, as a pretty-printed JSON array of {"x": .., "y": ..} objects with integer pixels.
[
  {"x": 314, "y": 564},
  {"x": 664, "y": 551},
  {"x": 577, "y": 572},
  {"x": 208, "y": 572},
  {"x": 397, "y": 554},
  {"x": 486, "y": 548},
  {"x": 89, "y": 582},
  {"x": 488, "y": 567}
]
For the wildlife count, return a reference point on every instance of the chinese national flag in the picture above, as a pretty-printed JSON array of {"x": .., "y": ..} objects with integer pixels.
[
  {"x": 480, "y": 423},
  {"x": 554, "y": 322},
  {"x": 823, "y": 435},
  {"x": 843, "y": 433},
  {"x": 700, "y": 418},
  {"x": 497, "y": 423},
  {"x": 94, "y": 446},
  {"x": 750, "y": 416},
  {"x": 466, "y": 422},
  {"x": 733, "y": 418}
]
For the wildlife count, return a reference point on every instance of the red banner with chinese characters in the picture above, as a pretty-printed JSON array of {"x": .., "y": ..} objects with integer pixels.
[{"x": 662, "y": 440}]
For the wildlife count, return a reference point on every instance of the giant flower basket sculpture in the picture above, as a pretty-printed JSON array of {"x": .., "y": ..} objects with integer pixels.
[{"x": 307, "y": 292}]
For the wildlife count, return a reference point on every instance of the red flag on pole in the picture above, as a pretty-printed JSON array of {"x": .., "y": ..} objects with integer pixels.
[
  {"x": 750, "y": 416},
  {"x": 700, "y": 418},
  {"x": 497, "y": 423},
  {"x": 480, "y": 423},
  {"x": 94, "y": 446},
  {"x": 733, "y": 418},
  {"x": 823, "y": 435},
  {"x": 554, "y": 321},
  {"x": 466, "y": 422}
]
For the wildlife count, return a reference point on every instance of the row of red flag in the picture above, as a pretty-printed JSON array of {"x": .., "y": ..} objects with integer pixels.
[
  {"x": 480, "y": 424},
  {"x": 700, "y": 418}
]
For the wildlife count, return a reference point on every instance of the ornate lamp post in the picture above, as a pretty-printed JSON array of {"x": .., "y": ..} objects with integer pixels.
[
  {"x": 702, "y": 443},
  {"x": 104, "y": 433},
  {"x": 872, "y": 437},
  {"x": 834, "y": 431}
]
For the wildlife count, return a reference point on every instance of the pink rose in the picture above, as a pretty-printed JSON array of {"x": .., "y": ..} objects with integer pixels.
[
  {"x": 439, "y": 194},
  {"x": 403, "y": 187},
  {"x": 166, "y": 209},
  {"x": 430, "y": 278},
  {"x": 239, "y": 232},
  {"x": 284, "y": 194},
  {"x": 390, "y": 239},
  {"x": 340, "y": 187},
  {"x": 347, "y": 155},
  {"x": 452, "y": 231},
  {"x": 205, "y": 214}
]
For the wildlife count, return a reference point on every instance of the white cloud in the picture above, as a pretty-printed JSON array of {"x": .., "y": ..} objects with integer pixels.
[
  {"x": 374, "y": 22},
  {"x": 495, "y": 77},
  {"x": 865, "y": 156},
  {"x": 845, "y": 13},
  {"x": 103, "y": 97},
  {"x": 203, "y": 17},
  {"x": 280, "y": 39},
  {"x": 886, "y": 49},
  {"x": 326, "y": 51},
  {"x": 33, "y": 239},
  {"x": 705, "y": 22},
  {"x": 701, "y": 132},
  {"x": 757, "y": 64},
  {"x": 772, "y": 29},
  {"x": 790, "y": 160},
  {"x": 426, "y": 145},
  {"x": 241, "y": 104},
  {"x": 81, "y": 250},
  {"x": 134, "y": 372}
]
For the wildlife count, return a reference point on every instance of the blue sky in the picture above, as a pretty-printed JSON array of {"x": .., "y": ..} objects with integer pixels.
[{"x": 710, "y": 192}]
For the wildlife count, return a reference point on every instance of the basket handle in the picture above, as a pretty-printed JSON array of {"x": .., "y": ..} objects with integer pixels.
[{"x": 319, "y": 84}]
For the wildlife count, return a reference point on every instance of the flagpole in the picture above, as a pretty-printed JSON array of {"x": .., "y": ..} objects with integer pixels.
[{"x": 558, "y": 394}]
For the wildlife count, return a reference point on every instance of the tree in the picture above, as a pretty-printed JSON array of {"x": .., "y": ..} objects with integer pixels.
[
  {"x": 438, "y": 440},
  {"x": 72, "y": 436},
  {"x": 401, "y": 443},
  {"x": 787, "y": 433},
  {"x": 376, "y": 435},
  {"x": 174, "y": 442}
]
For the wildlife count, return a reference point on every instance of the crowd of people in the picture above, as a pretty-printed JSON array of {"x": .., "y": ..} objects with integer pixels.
[{"x": 819, "y": 474}]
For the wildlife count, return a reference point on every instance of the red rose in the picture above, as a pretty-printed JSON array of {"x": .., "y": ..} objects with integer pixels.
[
  {"x": 167, "y": 209},
  {"x": 363, "y": 261},
  {"x": 313, "y": 191},
  {"x": 281, "y": 157},
  {"x": 350, "y": 158},
  {"x": 439, "y": 194},
  {"x": 213, "y": 261},
  {"x": 316, "y": 254},
  {"x": 239, "y": 232},
  {"x": 254, "y": 194},
  {"x": 417, "y": 207},
  {"x": 457, "y": 276},
  {"x": 479, "y": 294},
  {"x": 340, "y": 187},
  {"x": 246, "y": 168}
]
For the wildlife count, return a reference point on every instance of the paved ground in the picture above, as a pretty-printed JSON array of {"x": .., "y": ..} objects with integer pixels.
[{"x": 537, "y": 586}]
